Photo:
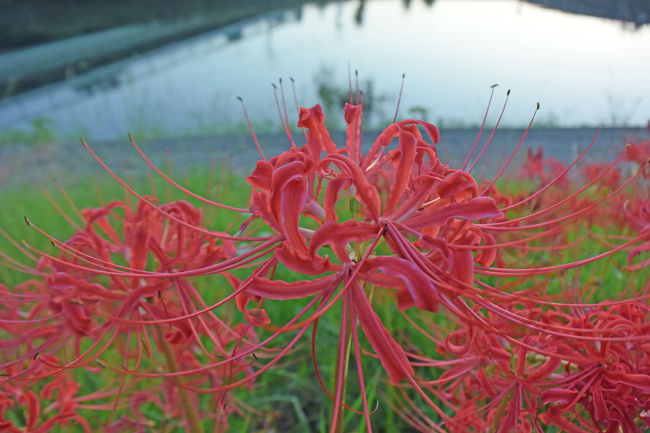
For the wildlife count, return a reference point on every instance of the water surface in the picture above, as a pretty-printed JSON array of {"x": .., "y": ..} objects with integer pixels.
[{"x": 583, "y": 70}]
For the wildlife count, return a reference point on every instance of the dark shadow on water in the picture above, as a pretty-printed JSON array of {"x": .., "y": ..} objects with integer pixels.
[
  {"x": 29, "y": 22},
  {"x": 634, "y": 12},
  {"x": 25, "y": 23}
]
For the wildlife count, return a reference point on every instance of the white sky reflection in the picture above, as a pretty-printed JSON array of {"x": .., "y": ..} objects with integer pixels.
[{"x": 583, "y": 70}]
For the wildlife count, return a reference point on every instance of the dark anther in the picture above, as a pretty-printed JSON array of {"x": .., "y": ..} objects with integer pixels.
[
  {"x": 385, "y": 229},
  {"x": 538, "y": 105},
  {"x": 508, "y": 92},
  {"x": 421, "y": 209},
  {"x": 493, "y": 86},
  {"x": 225, "y": 405},
  {"x": 35, "y": 356},
  {"x": 159, "y": 294},
  {"x": 240, "y": 99},
  {"x": 27, "y": 221},
  {"x": 254, "y": 356}
]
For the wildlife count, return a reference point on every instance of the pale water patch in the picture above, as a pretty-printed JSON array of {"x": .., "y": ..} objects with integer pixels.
[{"x": 583, "y": 70}]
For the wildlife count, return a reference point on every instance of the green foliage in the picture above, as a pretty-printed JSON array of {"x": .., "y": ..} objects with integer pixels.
[{"x": 41, "y": 131}]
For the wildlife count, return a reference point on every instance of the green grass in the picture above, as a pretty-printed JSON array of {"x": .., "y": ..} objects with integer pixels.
[{"x": 290, "y": 396}]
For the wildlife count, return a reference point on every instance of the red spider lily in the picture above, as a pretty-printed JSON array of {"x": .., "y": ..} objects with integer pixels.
[
  {"x": 638, "y": 152},
  {"x": 611, "y": 181},
  {"x": 470, "y": 268},
  {"x": 612, "y": 385},
  {"x": 37, "y": 407},
  {"x": 91, "y": 309},
  {"x": 73, "y": 304},
  {"x": 410, "y": 193},
  {"x": 544, "y": 169}
]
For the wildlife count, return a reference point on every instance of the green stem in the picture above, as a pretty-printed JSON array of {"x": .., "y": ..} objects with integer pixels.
[
  {"x": 347, "y": 335},
  {"x": 191, "y": 413},
  {"x": 501, "y": 410}
]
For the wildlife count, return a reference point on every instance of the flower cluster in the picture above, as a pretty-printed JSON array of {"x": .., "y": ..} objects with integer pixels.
[{"x": 497, "y": 292}]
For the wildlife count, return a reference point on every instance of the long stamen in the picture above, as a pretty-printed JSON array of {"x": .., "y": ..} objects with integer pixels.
[
  {"x": 350, "y": 84},
  {"x": 503, "y": 169},
  {"x": 548, "y": 269},
  {"x": 356, "y": 84},
  {"x": 182, "y": 188},
  {"x": 285, "y": 126},
  {"x": 232, "y": 263},
  {"x": 295, "y": 101},
  {"x": 496, "y": 126},
  {"x": 557, "y": 178},
  {"x": 478, "y": 136},
  {"x": 153, "y": 206},
  {"x": 502, "y": 227},
  {"x": 284, "y": 105},
  {"x": 250, "y": 128},
  {"x": 399, "y": 98}
]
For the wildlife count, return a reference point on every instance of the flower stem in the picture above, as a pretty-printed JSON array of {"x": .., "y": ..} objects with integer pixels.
[
  {"x": 501, "y": 410},
  {"x": 345, "y": 346},
  {"x": 191, "y": 413}
]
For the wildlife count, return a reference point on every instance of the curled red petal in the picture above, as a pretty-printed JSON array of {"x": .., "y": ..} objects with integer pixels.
[
  {"x": 420, "y": 291},
  {"x": 382, "y": 140},
  {"x": 639, "y": 381},
  {"x": 474, "y": 209},
  {"x": 294, "y": 196},
  {"x": 432, "y": 130},
  {"x": 458, "y": 185},
  {"x": 332, "y": 195},
  {"x": 352, "y": 115},
  {"x": 366, "y": 192},
  {"x": 341, "y": 234},
  {"x": 558, "y": 395},
  {"x": 600, "y": 408},
  {"x": 288, "y": 198},
  {"x": 462, "y": 266},
  {"x": 390, "y": 354},
  {"x": 257, "y": 316},
  {"x": 33, "y": 409},
  {"x": 309, "y": 265},
  {"x": 261, "y": 176},
  {"x": 407, "y": 144},
  {"x": 318, "y": 138},
  {"x": 278, "y": 289},
  {"x": 487, "y": 256}
]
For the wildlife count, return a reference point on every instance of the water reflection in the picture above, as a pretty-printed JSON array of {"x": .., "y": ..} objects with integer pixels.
[
  {"x": 585, "y": 70},
  {"x": 358, "y": 14},
  {"x": 634, "y": 12}
]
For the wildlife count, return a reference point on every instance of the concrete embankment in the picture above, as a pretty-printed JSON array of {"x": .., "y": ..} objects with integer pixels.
[
  {"x": 30, "y": 67},
  {"x": 70, "y": 164}
]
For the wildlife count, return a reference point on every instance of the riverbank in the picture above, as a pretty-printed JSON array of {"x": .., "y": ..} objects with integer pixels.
[
  {"x": 34, "y": 66},
  {"x": 69, "y": 163}
]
